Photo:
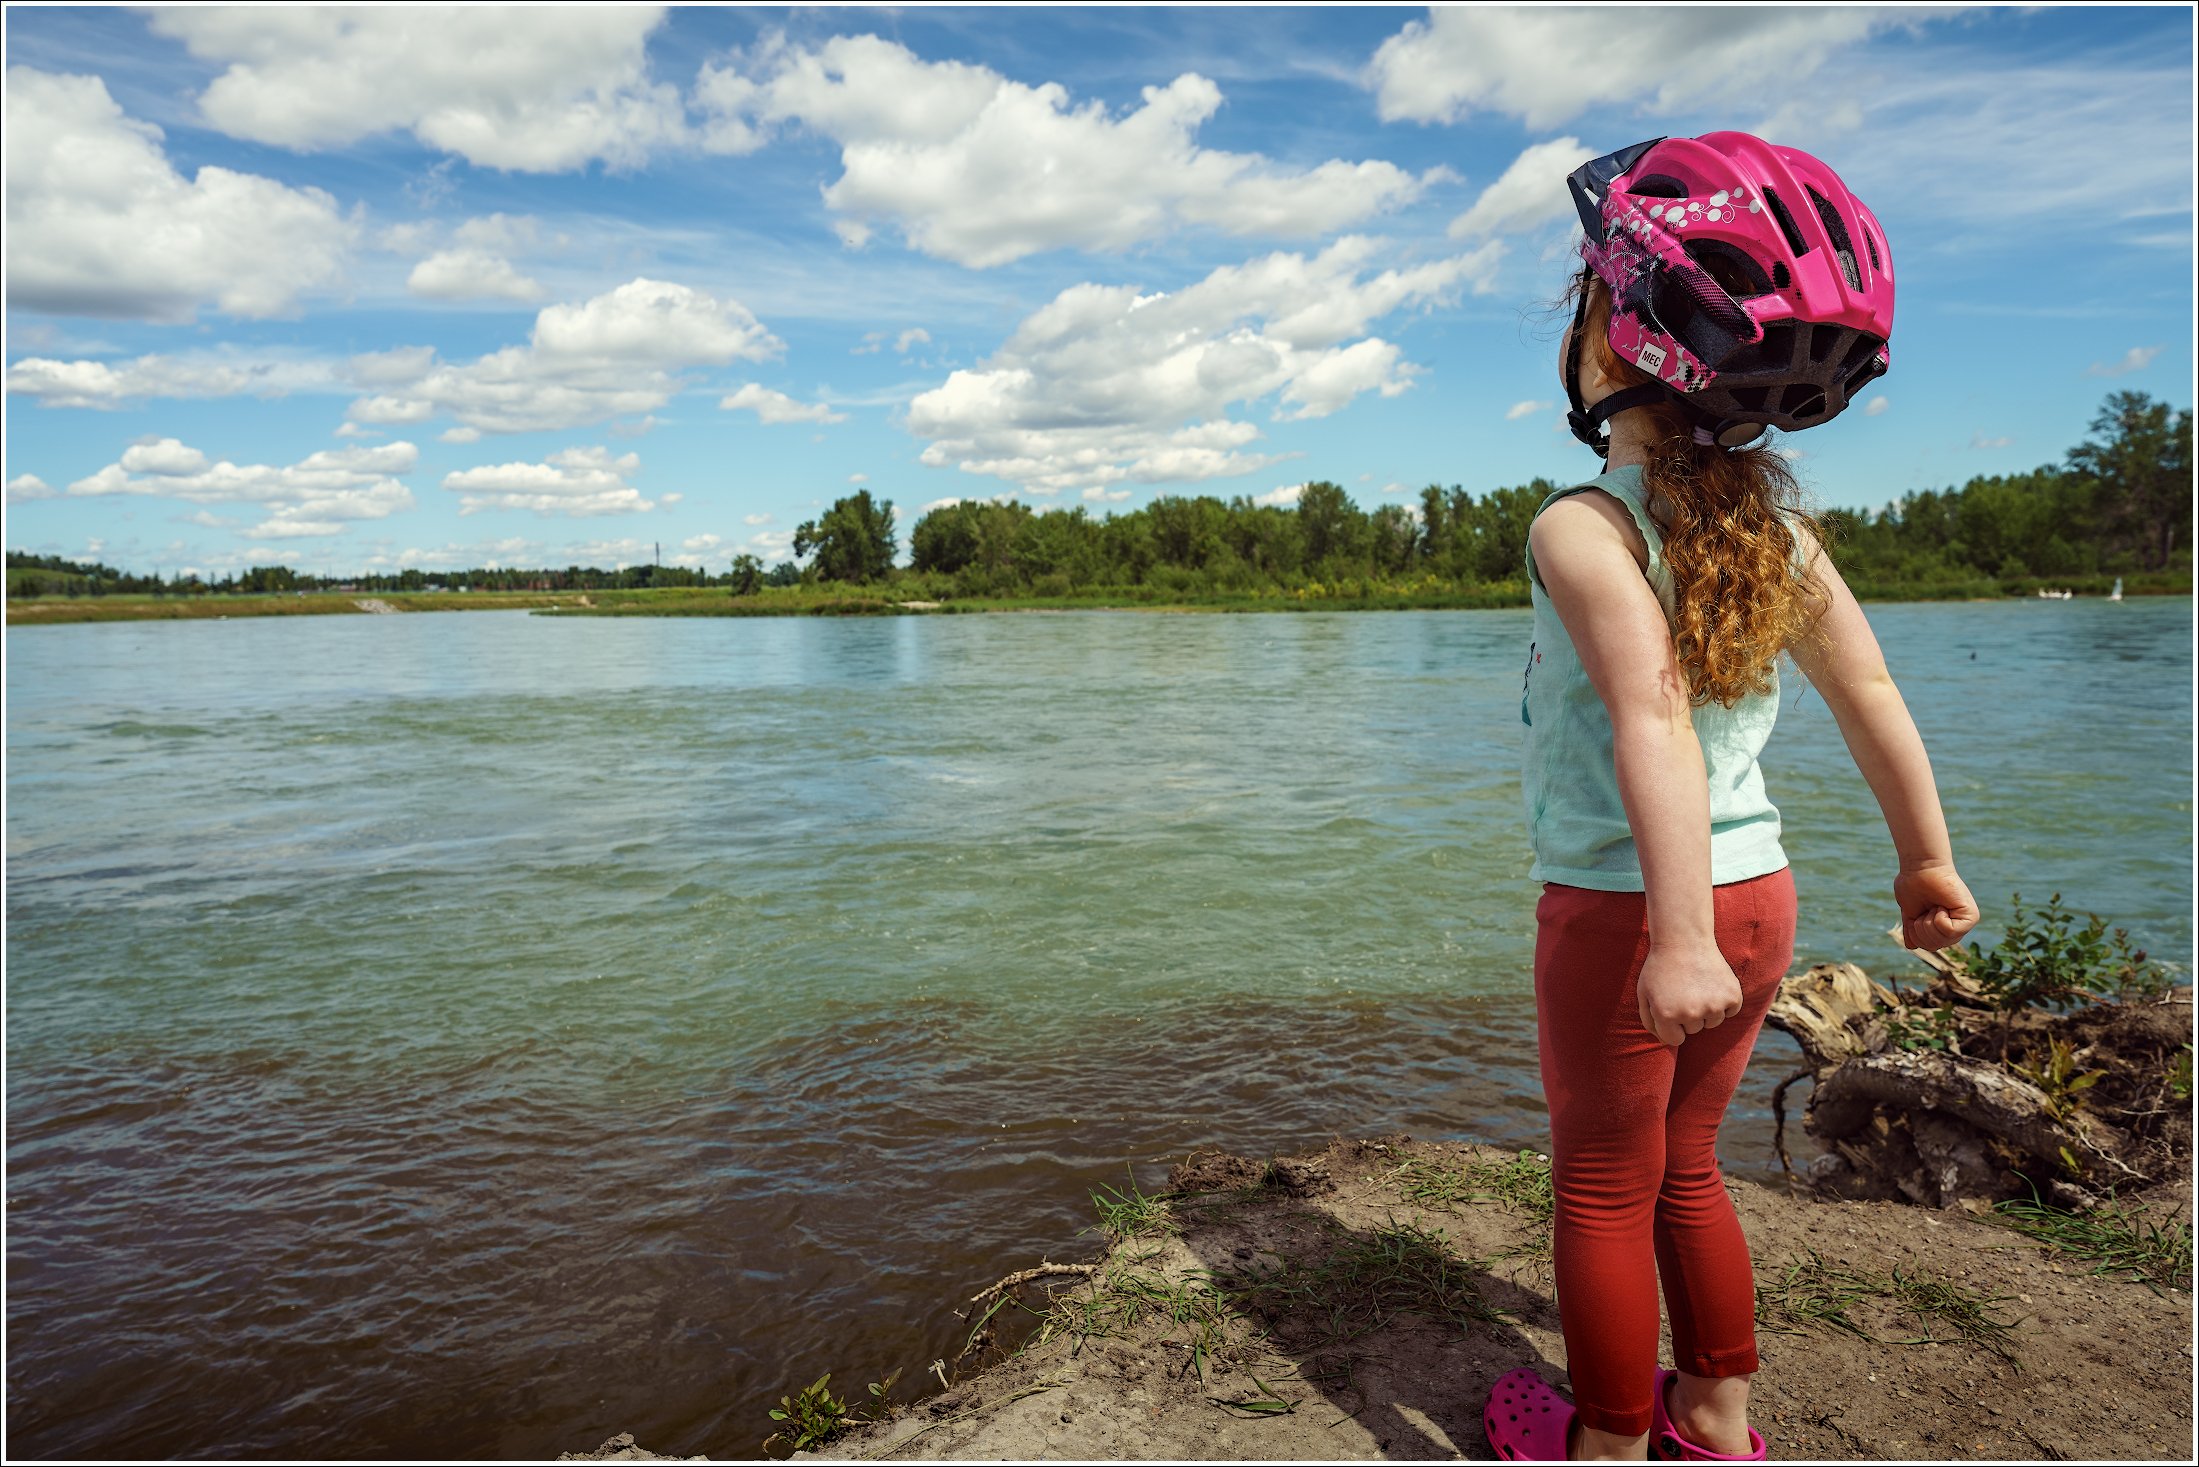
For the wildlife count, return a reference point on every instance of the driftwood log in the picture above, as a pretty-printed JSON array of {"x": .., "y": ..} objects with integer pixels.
[{"x": 1939, "y": 1128}]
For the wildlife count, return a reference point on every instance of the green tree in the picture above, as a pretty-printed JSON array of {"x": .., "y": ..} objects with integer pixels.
[
  {"x": 748, "y": 575},
  {"x": 2138, "y": 462},
  {"x": 853, "y": 541},
  {"x": 1335, "y": 529}
]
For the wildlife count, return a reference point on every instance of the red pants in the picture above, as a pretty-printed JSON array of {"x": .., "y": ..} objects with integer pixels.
[{"x": 1634, "y": 1127}]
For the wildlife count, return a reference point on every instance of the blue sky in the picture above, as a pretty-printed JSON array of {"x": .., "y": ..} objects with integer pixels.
[{"x": 457, "y": 287}]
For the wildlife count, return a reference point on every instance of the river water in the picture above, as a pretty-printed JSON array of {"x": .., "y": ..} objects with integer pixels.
[{"x": 475, "y": 1034}]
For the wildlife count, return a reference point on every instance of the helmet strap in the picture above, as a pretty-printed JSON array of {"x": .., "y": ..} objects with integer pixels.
[{"x": 1588, "y": 422}]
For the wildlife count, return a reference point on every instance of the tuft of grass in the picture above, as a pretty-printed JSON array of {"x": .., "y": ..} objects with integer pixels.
[
  {"x": 1521, "y": 1183},
  {"x": 1126, "y": 1300},
  {"x": 2120, "y": 1242},
  {"x": 1365, "y": 1284},
  {"x": 1133, "y": 1214},
  {"x": 1815, "y": 1294}
]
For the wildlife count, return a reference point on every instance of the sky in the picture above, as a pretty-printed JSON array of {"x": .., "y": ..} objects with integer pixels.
[{"x": 359, "y": 289}]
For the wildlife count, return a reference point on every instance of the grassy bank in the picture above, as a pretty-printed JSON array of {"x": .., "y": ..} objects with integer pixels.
[
  {"x": 1356, "y": 1303},
  {"x": 910, "y": 598}
]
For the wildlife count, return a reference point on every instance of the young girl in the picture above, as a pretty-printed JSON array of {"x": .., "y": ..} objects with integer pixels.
[{"x": 1729, "y": 286}]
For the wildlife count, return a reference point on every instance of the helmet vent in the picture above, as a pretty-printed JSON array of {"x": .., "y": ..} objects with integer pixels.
[
  {"x": 1780, "y": 279},
  {"x": 1871, "y": 244},
  {"x": 1802, "y": 400},
  {"x": 1774, "y": 353},
  {"x": 1843, "y": 246},
  {"x": 1658, "y": 186},
  {"x": 1825, "y": 340},
  {"x": 1779, "y": 212},
  {"x": 1737, "y": 275},
  {"x": 1750, "y": 399}
]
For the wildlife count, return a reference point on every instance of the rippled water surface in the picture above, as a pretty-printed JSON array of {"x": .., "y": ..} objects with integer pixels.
[{"x": 476, "y": 1034}]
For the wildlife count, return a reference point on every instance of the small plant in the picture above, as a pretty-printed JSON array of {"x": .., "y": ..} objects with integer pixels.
[
  {"x": 878, "y": 1390},
  {"x": 817, "y": 1416},
  {"x": 2058, "y": 1076},
  {"x": 2179, "y": 1074},
  {"x": 2046, "y": 960},
  {"x": 1931, "y": 1029}
]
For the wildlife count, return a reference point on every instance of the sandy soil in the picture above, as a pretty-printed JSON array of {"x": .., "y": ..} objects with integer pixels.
[{"x": 1383, "y": 1356}]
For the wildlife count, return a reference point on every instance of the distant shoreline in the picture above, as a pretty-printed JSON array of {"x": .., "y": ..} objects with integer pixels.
[{"x": 814, "y": 601}]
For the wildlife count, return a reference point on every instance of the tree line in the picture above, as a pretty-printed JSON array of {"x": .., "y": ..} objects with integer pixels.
[{"x": 2120, "y": 502}]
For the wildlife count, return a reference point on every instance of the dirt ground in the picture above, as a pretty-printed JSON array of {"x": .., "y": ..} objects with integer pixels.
[{"x": 1374, "y": 1325}]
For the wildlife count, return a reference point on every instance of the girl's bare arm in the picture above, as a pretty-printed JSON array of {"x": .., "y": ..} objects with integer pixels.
[
  {"x": 1583, "y": 549},
  {"x": 1842, "y": 660}
]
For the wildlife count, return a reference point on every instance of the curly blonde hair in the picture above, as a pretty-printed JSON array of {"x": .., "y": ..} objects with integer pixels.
[{"x": 1741, "y": 592}]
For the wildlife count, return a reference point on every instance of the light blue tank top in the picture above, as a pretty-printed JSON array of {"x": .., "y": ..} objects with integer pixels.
[{"x": 1574, "y": 815}]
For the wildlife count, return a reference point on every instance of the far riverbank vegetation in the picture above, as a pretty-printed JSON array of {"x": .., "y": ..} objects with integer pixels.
[{"x": 2116, "y": 509}]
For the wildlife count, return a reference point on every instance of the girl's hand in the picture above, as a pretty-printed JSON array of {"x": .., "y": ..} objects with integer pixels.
[
  {"x": 1684, "y": 989},
  {"x": 1936, "y": 909}
]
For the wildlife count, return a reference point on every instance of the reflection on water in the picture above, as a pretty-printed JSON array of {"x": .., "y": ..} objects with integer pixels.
[{"x": 476, "y": 1034}]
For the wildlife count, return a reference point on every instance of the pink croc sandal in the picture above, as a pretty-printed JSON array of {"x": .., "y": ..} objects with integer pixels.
[
  {"x": 1526, "y": 1420},
  {"x": 1667, "y": 1445}
]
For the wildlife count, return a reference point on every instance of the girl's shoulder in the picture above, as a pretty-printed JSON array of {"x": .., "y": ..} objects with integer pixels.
[{"x": 1590, "y": 514}]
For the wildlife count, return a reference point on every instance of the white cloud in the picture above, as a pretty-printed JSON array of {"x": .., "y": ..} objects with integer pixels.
[
  {"x": 24, "y": 488},
  {"x": 777, "y": 407},
  {"x": 1529, "y": 194},
  {"x": 460, "y": 435},
  {"x": 526, "y": 88},
  {"x": 1106, "y": 496},
  {"x": 653, "y": 323},
  {"x": 914, "y": 336},
  {"x": 314, "y": 497},
  {"x": 1979, "y": 440},
  {"x": 2137, "y": 359},
  {"x": 755, "y": 519},
  {"x": 1105, "y": 384},
  {"x": 615, "y": 355},
  {"x": 99, "y": 224},
  {"x": 979, "y": 169},
  {"x": 391, "y": 368},
  {"x": 167, "y": 457},
  {"x": 1394, "y": 487},
  {"x": 574, "y": 482},
  {"x": 1534, "y": 62},
  {"x": 502, "y": 233},
  {"x": 90, "y": 384},
  {"x": 387, "y": 409},
  {"x": 858, "y": 478},
  {"x": 349, "y": 429},
  {"x": 1526, "y": 409},
  {"x": 466, "y": 275},
  {"x": 1281, "y": 498},
  {"x": 1876, "y": 406},
  {"x": 1936, "y": 126}
]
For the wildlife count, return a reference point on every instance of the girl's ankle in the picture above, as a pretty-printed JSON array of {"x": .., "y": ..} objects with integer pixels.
[{"x": 1717, "y": 1419}]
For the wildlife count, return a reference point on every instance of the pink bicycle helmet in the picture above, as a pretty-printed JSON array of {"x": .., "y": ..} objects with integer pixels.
[{"x": 1744, "y": 277}]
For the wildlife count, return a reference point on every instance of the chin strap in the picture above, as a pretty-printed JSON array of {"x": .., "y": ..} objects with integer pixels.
[{"x": 1588, "y": 423}]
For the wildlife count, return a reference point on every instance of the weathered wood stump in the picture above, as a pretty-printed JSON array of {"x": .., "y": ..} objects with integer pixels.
[{"x": 1941, "y": 1126}]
